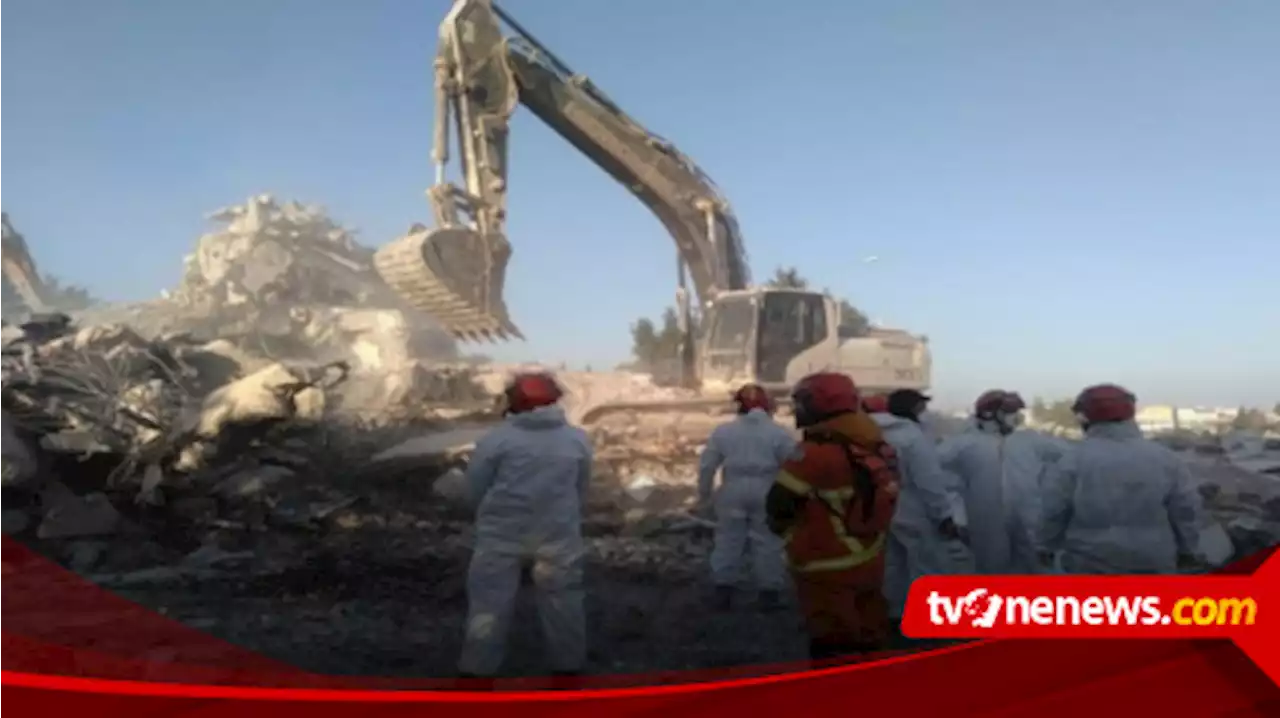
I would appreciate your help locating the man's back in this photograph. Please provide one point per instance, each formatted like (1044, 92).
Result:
(752, 445)
(530, 474)
(1122, 503)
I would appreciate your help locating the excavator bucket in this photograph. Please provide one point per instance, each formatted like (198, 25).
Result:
(454, 274)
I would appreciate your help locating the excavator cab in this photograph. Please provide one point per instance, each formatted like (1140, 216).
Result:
(766, 336)
(775, 336)
(792, 324)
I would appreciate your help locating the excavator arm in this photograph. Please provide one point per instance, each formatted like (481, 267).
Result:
(456, 270)
(20, 269)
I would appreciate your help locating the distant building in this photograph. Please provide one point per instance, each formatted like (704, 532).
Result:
(1158, 418)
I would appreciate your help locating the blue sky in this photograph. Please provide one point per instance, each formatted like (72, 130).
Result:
(1059, 192)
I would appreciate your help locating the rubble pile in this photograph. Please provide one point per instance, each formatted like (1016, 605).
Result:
(235, 496)
(165, 415)
(284, 282)
(1239, 479)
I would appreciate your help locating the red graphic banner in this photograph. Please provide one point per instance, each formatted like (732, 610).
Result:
(72, 647)
(1244, 609)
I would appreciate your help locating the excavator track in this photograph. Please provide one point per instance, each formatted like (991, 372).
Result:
(455, 275)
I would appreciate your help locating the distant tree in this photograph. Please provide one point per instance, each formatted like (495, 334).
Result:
(788, 278)
(853, 323)
(1252, 420)
(67, 297)
(1058, 413)
(653, 346)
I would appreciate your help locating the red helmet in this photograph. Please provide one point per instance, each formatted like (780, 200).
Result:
(989, 402)
(752, 396)
(997, 401)
(823, 395)
(1106, 402)
(876, 404)
(527, 392)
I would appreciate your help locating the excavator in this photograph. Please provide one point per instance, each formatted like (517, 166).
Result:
(455, 271)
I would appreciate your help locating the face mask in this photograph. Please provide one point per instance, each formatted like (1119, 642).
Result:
(1015, 420)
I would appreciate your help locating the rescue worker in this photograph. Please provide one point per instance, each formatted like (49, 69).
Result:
(832, 503)
(527, 479)
(751, 450)
(928, 535)
(1000, 483)
(1118, 503)
(1047, 448)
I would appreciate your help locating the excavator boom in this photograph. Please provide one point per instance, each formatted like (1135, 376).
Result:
(20, 270)
(456, 270)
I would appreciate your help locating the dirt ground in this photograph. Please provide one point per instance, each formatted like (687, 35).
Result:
(380, 590)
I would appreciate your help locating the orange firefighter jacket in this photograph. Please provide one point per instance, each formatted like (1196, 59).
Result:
(833, 514)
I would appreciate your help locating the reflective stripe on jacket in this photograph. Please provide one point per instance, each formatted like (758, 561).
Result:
(822, 535)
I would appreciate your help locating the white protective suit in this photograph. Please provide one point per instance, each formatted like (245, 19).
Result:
(528, 478)
(1118, 503)
(751, 449)
(1000, 477)
(928, 497)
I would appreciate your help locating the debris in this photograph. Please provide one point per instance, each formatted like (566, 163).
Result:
(15, 521)
(251, 481)
(454, 441)
(75, 516)
(452, 487)
(84, 555)
(20, 466)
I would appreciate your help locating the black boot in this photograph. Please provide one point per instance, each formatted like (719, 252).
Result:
(723, 598)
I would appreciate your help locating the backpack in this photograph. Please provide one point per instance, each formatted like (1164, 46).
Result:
(867, 464)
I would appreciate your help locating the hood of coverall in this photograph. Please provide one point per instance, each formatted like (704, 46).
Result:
(857, 427)
(542, 418)
(891, 421)
(1114, 430)
(755, 416)
(990, 426)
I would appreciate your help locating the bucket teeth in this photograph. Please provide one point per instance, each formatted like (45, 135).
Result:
(454, 274)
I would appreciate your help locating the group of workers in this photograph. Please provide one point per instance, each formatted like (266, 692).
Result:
(865, 502)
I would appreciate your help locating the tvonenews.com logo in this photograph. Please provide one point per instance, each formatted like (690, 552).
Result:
(980, 608)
